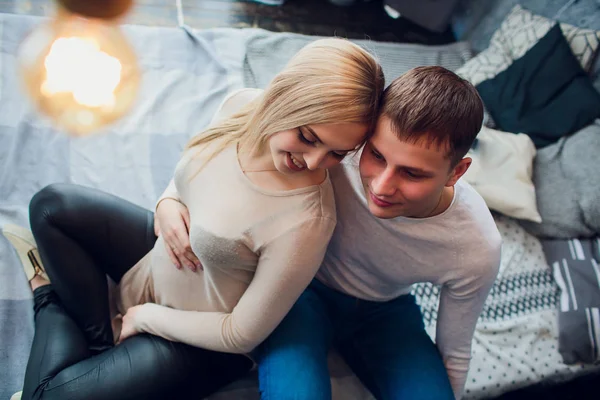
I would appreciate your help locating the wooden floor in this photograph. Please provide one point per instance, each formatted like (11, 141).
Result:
(312, 17)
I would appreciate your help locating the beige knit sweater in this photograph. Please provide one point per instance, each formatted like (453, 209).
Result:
(259, 248)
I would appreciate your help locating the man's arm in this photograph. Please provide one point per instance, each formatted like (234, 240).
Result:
(461, 303)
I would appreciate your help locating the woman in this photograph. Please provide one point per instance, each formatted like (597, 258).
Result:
(261, 213)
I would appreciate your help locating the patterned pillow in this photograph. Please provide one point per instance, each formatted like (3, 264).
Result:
(519, 32)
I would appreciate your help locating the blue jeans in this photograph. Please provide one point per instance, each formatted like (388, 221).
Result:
(384, 343)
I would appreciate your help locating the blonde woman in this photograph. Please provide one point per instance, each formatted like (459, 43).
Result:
(261, 213)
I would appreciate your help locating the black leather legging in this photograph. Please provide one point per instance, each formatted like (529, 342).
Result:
(83, 235)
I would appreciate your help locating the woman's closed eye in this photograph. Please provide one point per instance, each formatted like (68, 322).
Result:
(309, 139)
(305, 139)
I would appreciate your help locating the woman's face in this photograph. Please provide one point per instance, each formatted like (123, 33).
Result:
(312, 147)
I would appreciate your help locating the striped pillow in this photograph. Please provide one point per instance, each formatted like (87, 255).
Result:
(576, 268)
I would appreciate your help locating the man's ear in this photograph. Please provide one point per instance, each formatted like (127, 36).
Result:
(459, 170)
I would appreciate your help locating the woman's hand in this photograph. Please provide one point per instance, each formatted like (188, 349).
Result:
(128, 328)
(172, 221)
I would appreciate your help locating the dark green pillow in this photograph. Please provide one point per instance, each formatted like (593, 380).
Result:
(545, 94)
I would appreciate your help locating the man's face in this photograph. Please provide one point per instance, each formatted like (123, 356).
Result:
(404, 179)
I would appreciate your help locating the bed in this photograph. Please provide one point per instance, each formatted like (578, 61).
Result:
(186, 75)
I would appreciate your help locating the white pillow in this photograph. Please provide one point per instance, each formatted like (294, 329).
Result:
(501, 173)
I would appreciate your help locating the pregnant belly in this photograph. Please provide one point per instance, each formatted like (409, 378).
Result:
(209, 289)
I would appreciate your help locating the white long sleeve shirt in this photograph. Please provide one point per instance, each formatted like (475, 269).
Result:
(379, 259)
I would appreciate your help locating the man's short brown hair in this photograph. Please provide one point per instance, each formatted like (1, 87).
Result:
(434, 104)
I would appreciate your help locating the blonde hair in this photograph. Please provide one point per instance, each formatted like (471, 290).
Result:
(328, 81)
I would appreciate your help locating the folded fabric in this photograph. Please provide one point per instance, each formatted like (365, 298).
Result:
(517, 34)
(576, 270)
(476, 21)
(545, 93)
(501, 173)
(567, 183)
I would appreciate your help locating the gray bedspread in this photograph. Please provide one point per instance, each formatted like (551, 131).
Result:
(186, 75)
(267, 54)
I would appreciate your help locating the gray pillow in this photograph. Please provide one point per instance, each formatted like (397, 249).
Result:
(567, 183)
(576, 270)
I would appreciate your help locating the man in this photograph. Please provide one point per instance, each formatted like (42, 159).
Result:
(403, 217)
(428, 227)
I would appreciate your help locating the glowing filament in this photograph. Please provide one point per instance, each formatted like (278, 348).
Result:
(78, 66)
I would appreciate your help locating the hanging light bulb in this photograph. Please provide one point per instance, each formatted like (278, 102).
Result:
(78, 67)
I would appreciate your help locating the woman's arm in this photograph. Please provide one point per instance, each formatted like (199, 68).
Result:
(172, 219)
(286, 267)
